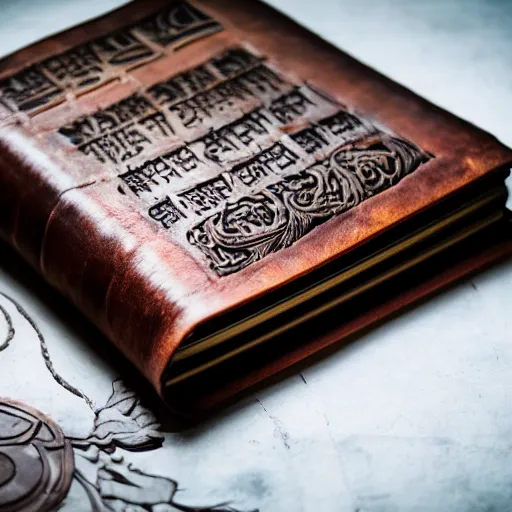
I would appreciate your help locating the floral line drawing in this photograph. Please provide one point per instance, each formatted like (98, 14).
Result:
(110, 483)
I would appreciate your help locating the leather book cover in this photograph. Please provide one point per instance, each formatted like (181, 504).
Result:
(171, 161)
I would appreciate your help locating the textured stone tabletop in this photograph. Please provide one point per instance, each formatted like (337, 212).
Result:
(414, 415)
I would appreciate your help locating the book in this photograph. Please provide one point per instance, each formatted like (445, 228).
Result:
(224, 194)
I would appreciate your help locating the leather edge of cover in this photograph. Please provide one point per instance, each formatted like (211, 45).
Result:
(194, 407)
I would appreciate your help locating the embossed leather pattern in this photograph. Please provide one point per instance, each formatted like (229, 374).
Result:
(163, 170)
(275, 218)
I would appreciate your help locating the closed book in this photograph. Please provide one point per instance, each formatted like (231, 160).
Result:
(224, 194)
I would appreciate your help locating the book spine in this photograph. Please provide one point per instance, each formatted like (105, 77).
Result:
(29, 190)
(67, 231)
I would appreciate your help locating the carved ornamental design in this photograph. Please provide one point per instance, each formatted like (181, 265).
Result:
(275, 218)
(255, 159)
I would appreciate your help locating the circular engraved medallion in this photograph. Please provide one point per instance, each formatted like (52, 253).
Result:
(36, 460)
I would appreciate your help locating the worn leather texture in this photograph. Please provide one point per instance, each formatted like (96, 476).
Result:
(112, 187)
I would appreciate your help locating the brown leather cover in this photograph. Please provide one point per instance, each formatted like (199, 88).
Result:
(170, 161)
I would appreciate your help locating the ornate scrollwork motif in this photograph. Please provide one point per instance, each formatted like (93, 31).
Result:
(257, 225)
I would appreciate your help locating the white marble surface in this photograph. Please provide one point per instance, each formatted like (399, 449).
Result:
(415, 415)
